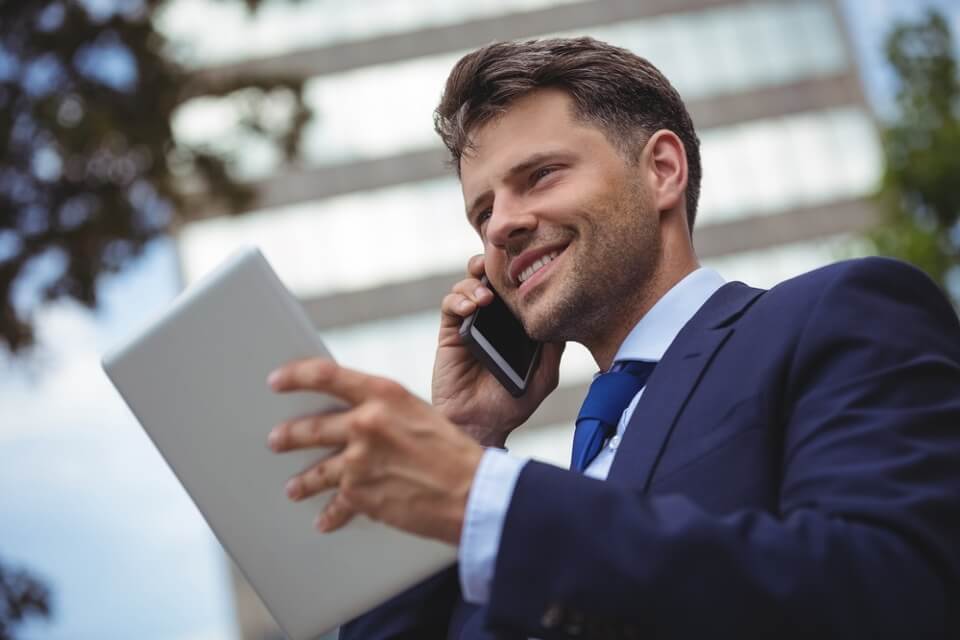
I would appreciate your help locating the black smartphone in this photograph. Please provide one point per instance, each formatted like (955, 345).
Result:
(496, 338)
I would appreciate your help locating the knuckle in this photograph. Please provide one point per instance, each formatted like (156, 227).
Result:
(314, 429)
(389, 389)
(376, 507)
(321, 371)
(380, 412)
(450, 301)
(317, 476)
(353, 457)
(364, 422)
(466, 286)
(346, 497)
(375, 415)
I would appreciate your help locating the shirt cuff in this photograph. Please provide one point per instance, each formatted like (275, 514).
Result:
(483, 523)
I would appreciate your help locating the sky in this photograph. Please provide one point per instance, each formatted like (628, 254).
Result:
(86, 502)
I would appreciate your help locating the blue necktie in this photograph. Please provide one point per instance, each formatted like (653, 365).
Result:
(608, 397)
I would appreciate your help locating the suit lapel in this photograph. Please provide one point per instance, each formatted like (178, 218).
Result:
(672, 382)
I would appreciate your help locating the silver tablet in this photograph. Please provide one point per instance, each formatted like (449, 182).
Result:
(196, 381)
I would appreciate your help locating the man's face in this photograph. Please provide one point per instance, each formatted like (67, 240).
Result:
(569, 232)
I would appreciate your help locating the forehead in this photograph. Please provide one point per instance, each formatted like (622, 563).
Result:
(533, 123)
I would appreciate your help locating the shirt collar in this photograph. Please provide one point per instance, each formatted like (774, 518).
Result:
(651, 337)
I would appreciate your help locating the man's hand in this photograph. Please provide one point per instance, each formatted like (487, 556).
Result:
(463, 389)
(401, 462)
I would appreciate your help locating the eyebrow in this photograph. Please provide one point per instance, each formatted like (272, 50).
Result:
(521, 167)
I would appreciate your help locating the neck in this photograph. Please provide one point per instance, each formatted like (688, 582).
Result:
(674, 267)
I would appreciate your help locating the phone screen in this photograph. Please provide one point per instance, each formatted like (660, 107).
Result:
(505, 333)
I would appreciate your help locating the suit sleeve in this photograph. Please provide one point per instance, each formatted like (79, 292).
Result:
(866, 543)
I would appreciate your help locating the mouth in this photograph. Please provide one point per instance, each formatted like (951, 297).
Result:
(531, 267)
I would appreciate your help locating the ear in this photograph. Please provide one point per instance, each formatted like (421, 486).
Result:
(666, 165)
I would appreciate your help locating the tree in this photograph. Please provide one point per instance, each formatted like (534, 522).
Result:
(919, 195)
(89, 168)
(20, 597)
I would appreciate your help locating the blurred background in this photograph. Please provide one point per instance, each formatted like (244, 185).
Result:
(143, 141)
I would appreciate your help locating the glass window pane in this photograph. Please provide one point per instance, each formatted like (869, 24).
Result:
(818, 36)
(418, 229)
(772, 165)
(765, 268)
(281, 27)
(387, 109)
(349, 242)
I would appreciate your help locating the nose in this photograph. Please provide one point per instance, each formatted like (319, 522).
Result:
(509, 221)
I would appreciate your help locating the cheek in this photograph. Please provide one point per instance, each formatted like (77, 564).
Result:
(495, 263)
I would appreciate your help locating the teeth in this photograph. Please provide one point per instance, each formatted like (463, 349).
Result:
(536, 266)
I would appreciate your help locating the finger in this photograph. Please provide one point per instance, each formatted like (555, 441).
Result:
(467, 295)
(475, 266)
(325, 376)
(321, 477)
(474, 290)
(337, 513)
(322, 430)
(457, 306)
(468, 287)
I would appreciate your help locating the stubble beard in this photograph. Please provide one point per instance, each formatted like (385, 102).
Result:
(607, 274)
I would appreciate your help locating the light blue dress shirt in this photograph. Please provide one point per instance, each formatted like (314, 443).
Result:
(498, 471)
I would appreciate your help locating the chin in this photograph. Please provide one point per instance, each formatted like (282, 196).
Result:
(538, 333)
(565, 314)
(533, 322)
(545, 324)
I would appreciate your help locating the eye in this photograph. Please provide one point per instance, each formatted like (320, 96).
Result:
(483, 216)
(540, 174)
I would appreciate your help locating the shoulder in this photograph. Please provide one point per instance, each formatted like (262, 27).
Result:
(870, 280)
(877, 301)
(873, 269)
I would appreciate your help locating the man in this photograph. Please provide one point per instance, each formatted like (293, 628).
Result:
(786, 463)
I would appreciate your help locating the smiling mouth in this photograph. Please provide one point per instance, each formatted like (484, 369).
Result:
(538, 264)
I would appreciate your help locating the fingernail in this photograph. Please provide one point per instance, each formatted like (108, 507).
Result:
(320, 523)
(273, 377)
(480, 292)
(465, 305)
(273, 440)
(293, 488)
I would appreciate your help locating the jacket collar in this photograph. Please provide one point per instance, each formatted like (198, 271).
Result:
(674, 379)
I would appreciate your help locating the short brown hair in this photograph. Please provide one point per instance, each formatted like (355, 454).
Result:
(621, 93)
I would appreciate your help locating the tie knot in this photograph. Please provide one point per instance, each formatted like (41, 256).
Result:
(611, 392)
(638, 368)
(609, 395)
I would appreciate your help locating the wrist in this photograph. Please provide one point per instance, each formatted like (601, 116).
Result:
(485, 436)
(480, 431)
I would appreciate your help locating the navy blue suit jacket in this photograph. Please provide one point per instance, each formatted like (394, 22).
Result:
(792, 470)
